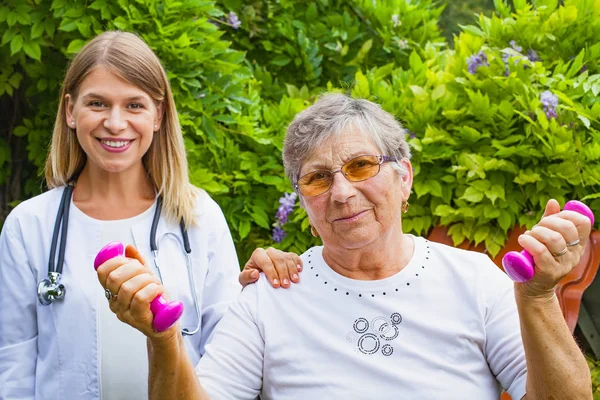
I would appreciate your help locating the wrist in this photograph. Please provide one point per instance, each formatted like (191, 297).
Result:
(524, 295)
(167, 340)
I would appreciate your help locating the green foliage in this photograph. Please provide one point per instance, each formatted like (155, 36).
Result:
(486, 156)
(312, 43)
(595, 371)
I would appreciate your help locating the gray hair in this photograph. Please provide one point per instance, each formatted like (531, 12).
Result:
(330, 115)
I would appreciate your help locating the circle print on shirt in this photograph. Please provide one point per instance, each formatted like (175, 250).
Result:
(370, 334)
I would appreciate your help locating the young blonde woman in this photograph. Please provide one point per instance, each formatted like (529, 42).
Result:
(116, 171)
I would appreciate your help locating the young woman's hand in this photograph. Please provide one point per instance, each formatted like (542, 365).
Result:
(279, 267)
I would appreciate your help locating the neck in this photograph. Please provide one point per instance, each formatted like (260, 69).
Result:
(378, 260)
(107, 196)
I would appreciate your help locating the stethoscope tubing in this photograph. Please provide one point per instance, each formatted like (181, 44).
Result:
(50, 289)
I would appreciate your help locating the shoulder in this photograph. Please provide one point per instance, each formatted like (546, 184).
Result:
(35, 211)
(469, 271)
(205, 206)
(468, 260)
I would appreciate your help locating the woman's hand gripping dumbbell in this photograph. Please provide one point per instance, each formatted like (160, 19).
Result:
(520, 267)
(165, 313)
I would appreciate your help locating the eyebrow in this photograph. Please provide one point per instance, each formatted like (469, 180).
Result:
(99, 96)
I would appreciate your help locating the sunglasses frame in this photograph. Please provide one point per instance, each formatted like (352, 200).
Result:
(381, 159)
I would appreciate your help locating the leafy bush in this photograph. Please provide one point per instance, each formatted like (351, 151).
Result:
(312, 43)
(233, 135)
(487, 151)
(500, 124)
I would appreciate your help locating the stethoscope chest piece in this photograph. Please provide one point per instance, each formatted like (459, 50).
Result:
(50, 289)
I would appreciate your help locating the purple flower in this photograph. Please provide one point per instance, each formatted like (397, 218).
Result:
(396, 20)
(233, 20)
(549, 102)
(532, 55)
(286, 206)
(476, 61)
(278, 234)
(515, 47)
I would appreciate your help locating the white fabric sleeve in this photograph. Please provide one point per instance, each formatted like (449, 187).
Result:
(221, 286)
(504, 346)
(233, 364)
(18, 324)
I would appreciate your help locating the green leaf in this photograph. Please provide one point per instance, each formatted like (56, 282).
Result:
(504, 220)
(281, 60)
(20, 131)
(75, 46)
(244, 228)
(473, 195)
(585, 121)
(32, 49)
(481, 233)
(438, 92)
(472, 30)
(16, 44)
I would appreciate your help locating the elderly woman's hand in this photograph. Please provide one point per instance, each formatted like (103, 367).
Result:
(135, 286)
(546, 242)
(279, 267)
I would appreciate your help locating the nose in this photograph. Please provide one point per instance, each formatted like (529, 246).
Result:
(115, 122)
(341, 188)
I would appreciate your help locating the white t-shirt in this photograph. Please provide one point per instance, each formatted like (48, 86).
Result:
(444, 327)
(121, 377)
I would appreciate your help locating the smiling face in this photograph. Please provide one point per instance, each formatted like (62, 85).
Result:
(114, 120)
(352, 215)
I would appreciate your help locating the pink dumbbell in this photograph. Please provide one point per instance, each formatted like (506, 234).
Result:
(519, 266)
(165, 313)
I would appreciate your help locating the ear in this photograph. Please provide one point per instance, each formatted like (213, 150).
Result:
(160, 113)
(407, 178)
(69, 105)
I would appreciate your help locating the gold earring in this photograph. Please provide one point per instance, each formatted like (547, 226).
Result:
(405, 206)
(313, 231)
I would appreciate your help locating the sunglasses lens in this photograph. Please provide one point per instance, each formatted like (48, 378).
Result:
(361, 168)
(315, 183)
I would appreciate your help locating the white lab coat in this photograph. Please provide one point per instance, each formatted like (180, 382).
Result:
(51, 352)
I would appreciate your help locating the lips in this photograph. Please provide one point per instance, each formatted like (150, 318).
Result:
(350, 217)
(115, 146)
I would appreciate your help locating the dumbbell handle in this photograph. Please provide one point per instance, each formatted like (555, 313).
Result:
(519, 266)
(166, 313)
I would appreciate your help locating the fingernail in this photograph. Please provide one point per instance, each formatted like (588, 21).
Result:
(275, 281)
(285, 282)
(299, 267)
(295, 277)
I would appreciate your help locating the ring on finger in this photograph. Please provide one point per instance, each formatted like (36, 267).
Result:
(109, 295)
(573, 243)
(561, 253)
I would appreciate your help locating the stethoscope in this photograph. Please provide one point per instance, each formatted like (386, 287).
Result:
(50, 289)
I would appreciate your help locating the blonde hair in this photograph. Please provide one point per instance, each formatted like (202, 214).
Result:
(130, 58)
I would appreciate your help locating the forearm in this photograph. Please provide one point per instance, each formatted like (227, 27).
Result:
(556, 367)
(171, 374)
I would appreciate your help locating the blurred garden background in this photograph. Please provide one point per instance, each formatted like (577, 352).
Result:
(499, 99)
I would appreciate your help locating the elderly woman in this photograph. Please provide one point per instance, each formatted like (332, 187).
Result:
(380, 313)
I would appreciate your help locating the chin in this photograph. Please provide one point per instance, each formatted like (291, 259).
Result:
(357, 240)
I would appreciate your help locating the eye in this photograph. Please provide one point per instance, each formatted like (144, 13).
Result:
(95, 104)
(136, 106)
(315, 177)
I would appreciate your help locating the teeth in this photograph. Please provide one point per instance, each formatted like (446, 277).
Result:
(115, 144)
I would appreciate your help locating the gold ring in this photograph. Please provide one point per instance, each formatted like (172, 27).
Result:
(573, 243)
(561, 253)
